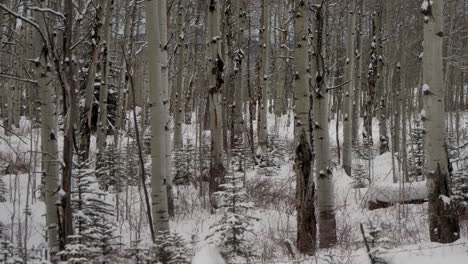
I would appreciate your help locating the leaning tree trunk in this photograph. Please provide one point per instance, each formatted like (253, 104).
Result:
(85, 129)
(158, 122)
(443, 223)
(348, 94)
(324, 176)
(305, 187)
(216, 81)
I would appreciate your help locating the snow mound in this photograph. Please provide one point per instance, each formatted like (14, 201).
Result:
(208, 255)
(429, 253)
(390, 192)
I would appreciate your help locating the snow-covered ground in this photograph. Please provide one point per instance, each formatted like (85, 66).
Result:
(403, 228)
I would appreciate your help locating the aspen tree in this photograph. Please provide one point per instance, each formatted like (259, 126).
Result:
(157, 112)
(49, 148)
(105, 78)
(262, 125)
(380, 82)
(349, 90)
(85, 129)
(358, 76)
(240, 69)
(303, 161)
(215, 79)
(443, 223)
(164, 84)
(179, 82)
(323, 170)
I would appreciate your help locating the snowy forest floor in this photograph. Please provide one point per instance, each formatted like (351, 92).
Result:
(403, 235)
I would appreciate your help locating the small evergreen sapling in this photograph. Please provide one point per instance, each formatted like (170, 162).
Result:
(93, 220)
(230, 233)
(170, 248)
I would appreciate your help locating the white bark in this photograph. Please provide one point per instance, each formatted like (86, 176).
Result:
(179, 82)
(324, 176)
(348, 92)
(49, 148)
(157, 98)
(164, 84)
(443, 224)
(306, 230)
(264, 86)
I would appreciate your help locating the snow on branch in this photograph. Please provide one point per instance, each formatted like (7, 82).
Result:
(32, 23)
(48, 10)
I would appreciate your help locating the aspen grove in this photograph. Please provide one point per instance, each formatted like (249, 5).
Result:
(233, 131)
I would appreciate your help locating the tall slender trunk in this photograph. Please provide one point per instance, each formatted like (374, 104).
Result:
(304, 157)
(215, 78)
(240, 70)
(179, 82)
(262, 124)
(348, 94)
(85, 129)
(443, 223)
(164, 83)
(371, 83)
(324, 176)
(105, 79)
(49, 148)
(158, 102)
(358, 77)
(380, 83)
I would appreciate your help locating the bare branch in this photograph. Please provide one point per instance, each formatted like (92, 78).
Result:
(8, 76)
(32, 23)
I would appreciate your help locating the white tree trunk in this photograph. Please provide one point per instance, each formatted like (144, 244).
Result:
(324, 176)
(303, 162)
(443, 223)
(158, 102)
(49, 148)
(164, 83)
(262, 126)
(349, 91)
(179, 82)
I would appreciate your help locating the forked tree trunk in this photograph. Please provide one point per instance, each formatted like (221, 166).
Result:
(303, 161)
(443, 223)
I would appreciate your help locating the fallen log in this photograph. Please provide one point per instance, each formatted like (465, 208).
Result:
(383, 195)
